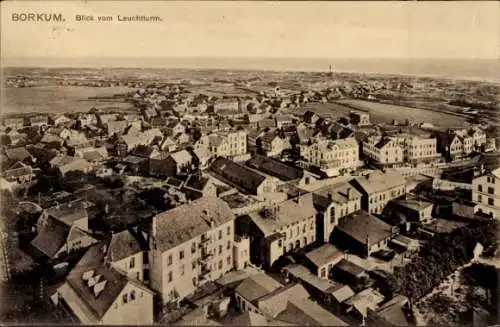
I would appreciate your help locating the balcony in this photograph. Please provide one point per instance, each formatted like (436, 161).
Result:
(206, 255)
(204, 273)
(205, 240)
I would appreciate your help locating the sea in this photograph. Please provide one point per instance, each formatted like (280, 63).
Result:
(467, 69)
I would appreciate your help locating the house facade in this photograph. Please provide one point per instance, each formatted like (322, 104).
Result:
(486, 193)
(327, 154)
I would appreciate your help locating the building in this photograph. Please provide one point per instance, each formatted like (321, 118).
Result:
(273, 144)
(226, 104)
(62, 230)
(383, 150)
(65, 164)
(275, 168)
(359, 305)
(486, 192)
(359, 118)
(412, 209)
(417, 148)
(224, 143)
(395, 312)
(13, 123)
(363, 233)
(18, 176)
(321, 260)
(378, 188)
(191, 245)
(332, 203)
(328, 155)
(241, 177)
(325, 291)
(171, 164)
(279, 229)
(310, 117)
(281, 305)
(199, 186)
(127, 251)
(116, 127)
(95, 292)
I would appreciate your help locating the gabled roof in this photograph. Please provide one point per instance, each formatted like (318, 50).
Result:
(288, 212)
(380, 181)
(238, 174)
(364, 227)
(275, 168)
(339, 193)
(181, 224)
(181, 157)
(122, 245)
(257, 286)
(368, 298)
(306, 312)
(68, 212)
(395, 313)
(349, 267)
(51, 237)
(324, 255)
(17, 154)
(276, 302)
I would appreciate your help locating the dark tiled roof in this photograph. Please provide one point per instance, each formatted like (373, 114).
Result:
(68, 212)
(123, 245)
(383, 142)
(257, 286)
(51, 237)
(178, 225)
(17, 154)
(363, 227)
(247, 179)
(349, 267)
(275, 168)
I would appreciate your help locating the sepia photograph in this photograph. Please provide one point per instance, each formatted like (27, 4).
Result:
(250, 163)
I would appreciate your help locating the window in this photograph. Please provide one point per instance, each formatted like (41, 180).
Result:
(312, 226)
(229, 260)
(132, 262)
(138, 275)
(194, 281)
(280, 243)
(304, 228)
(220, 249)
(480, 188)
(193, 247)
(125, 298)
(169, 260)
(491, 190)
(491, 202)
(323, 272)
(220, 234)
(132, 295)
(193, 265)
(170, 276)
(228, 245)
(228, 230)
(220, 264)
(181, 254)
(479, 198)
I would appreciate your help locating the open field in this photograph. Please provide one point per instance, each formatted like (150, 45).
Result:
(60, 99)
(386, 112)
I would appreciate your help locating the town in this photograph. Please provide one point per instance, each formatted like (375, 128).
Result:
(276, 206)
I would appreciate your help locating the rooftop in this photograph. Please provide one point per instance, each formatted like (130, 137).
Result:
(275, 168)
(379, 181)
(257, 286)
(340, 193)
(185, 222)
(324, 255)
(365, 228)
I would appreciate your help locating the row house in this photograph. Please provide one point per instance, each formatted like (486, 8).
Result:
(383, 150)
(226, 104)
(460, 143)
(191, 245)
(331, 155)
(279, 229)
(378, 188)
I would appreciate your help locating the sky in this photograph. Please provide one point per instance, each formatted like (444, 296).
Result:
(409, 30)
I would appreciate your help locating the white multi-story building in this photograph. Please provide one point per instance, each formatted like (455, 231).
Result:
(224, 143)
(416, 148)
(191, 245)
(383, 150)
(328, 154)
(486, 193)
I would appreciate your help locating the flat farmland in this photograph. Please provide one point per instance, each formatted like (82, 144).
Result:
(385, 113)
(46, 99)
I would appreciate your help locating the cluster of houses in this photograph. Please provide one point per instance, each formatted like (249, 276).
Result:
(261, 227)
